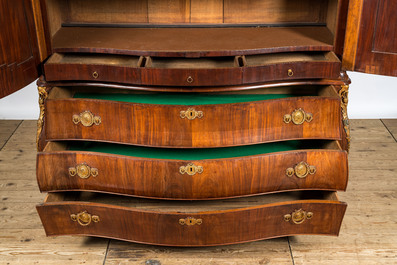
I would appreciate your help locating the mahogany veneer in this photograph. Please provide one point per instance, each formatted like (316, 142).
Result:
(221, 124)
(152, 222)
(161, 178)
(192, 42)
(192, 71)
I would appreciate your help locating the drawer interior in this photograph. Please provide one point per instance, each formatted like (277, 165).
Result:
(192, 154)
(193, 63)
(189, 206)
(190, 63)
(192, 98)
(276, 58)
(93, 59)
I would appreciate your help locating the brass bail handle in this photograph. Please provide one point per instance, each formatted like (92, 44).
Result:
(301, 170)
(298, 216)
(84, 218)
(83, 171)
(86, 118)
(298, 116)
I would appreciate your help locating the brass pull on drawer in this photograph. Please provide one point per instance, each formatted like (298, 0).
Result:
(84, 218)
(301, 170)
(191, 114)
(191, 169)
(190, 221)
(86, 118)
(95, 75)
(83, 171)
(298, 216)
(298, 116)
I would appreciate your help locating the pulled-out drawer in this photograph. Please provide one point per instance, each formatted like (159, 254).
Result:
(192, 174)
(203, 71)
(188, 120)
(176, 223)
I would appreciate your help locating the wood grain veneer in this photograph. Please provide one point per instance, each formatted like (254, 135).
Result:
(166, 71)
(192, 42)
(160, 178)
(221, 125)
(222, 223)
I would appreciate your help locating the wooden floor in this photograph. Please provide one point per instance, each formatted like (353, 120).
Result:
(368, 234)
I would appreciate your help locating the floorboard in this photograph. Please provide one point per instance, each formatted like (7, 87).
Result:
(368, 234)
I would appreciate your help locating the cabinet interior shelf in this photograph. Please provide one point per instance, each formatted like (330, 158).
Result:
(192, 42)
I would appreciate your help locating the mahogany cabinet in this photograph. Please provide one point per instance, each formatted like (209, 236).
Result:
(193, 122)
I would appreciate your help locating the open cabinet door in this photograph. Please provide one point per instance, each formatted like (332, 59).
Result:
(371, 37)
(19, 56)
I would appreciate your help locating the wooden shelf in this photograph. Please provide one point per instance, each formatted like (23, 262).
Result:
(192, 42)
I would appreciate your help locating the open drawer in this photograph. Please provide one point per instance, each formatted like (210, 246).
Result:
(181, 71)
(192, 174)
(175, 223)
(188, 120)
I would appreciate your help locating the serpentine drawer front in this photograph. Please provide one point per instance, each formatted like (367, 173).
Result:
(192, 174)
(205, 120)
(204, 71)
(174, 223)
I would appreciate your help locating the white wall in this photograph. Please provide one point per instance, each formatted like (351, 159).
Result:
(370, 97)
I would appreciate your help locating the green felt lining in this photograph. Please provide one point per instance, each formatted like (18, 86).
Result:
(182, 98)
(194, 154)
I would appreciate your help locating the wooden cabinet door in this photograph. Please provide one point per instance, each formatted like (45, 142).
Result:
(19, 54)
(371, 37)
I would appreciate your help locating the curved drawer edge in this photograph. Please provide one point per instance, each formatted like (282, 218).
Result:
(163, 228)
(218, 178)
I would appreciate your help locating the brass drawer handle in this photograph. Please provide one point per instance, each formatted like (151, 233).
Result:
(189, 79)
(95, 75)
(191, 169)
(83, 171)
(84, 218)
(298, 216)
(290, 72)
(86, 118)
(301, 170)
(190, 221)
(191, 114)
(298, 117)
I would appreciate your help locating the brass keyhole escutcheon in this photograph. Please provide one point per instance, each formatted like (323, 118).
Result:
(298, 216)
(301, 170)
(95, 75)
(84, 218)
(190, 221)
(191, 114)
(298, 116)
(83, 171)
(290, 72)
(86, 118)
(189, 79)
(191, 169)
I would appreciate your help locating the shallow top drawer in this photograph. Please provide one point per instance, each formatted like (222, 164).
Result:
(189, 120)
(180, 71)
